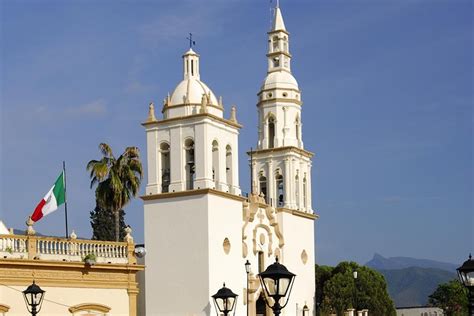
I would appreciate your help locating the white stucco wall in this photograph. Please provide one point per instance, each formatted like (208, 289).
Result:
(185, 261)
(299, 237)
(57, 300)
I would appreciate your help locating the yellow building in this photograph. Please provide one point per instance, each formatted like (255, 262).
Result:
(106, 284)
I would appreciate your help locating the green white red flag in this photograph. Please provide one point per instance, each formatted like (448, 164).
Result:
(51, 201)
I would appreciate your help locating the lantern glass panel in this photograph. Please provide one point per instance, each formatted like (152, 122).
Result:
(284, 284)
(37, 298)
(220, 304)
(230, 303)
(270, 285)
(469, 279)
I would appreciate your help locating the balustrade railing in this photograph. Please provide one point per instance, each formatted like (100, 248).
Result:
(70, 249)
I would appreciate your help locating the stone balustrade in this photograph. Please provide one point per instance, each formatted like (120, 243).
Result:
(66, 249)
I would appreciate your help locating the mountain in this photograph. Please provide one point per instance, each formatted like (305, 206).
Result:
(379, 262)
(410, 281)
(412, 286)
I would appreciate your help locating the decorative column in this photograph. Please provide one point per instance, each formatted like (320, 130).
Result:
(287, 189)
(270, 184)
(308, 187)
(300, 183)
(265, 134)
(285, 125)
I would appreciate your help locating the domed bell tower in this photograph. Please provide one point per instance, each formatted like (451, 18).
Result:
(281, 165)
(191, 197)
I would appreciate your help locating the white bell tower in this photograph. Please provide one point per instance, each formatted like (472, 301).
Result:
(281, 166)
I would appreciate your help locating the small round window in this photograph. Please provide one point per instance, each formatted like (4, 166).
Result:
(270, 95)
(285, 94)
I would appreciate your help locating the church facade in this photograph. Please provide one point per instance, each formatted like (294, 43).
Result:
(199, 229)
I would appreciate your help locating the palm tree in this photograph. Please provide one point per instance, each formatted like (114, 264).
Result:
(117, 180)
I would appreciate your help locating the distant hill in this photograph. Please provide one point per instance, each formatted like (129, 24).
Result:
(379, 262)
(410, 281)
(412, 286)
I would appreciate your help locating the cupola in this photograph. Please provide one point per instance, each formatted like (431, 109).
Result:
(191, 95)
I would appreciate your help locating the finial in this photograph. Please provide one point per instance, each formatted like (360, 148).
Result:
(204, 101)
(470, 257)
(73, 235)
(220, 102)
(278, 3)
(29, 222)
(128, 237)
(233, 114)
(151, 113)
(191, 42)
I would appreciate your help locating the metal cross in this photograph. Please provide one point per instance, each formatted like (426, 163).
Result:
(191, 42)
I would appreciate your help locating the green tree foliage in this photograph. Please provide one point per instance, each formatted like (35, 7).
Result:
(103, 224)
(451, 297)
(337, 290)
(117, 179)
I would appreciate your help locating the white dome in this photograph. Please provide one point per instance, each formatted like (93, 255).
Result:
(190, 90)
(280, 79)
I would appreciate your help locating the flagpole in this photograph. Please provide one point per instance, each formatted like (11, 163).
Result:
(65, 197)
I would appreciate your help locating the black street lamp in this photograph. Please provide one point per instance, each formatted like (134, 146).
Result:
(466, 276)
(33, 298)
(277, 282)
(247, 270)
(224, 301)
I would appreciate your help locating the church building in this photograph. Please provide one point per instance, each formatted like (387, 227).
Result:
(199, 229)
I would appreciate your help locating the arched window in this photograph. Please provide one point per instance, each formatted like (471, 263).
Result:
(215, 162)
(285, 44)
(297, 190)
(165, 167)
(304, 192)
(271, 132)
(190, 163)
(228, 165)
(280, 190)
(88, 309)
(275, 43)
(263, 187)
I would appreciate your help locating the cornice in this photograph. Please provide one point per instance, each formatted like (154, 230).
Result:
(283, 100)
(167, 107)
(69, 274)
(191, 117)
(297, 213)
(273, 89)
(169, 195)
(278, 31)
(279, 53)
(69, 264)
(283, 149)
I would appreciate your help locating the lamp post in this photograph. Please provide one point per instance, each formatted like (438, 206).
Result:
(277, 282)
(33, 296)
(247, 270)
(354, 274)
(466, 276)
(224, 301)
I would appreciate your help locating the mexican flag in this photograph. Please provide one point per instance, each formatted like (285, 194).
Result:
(51, 201)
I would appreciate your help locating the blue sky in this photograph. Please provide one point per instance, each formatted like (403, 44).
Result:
(386, 85)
